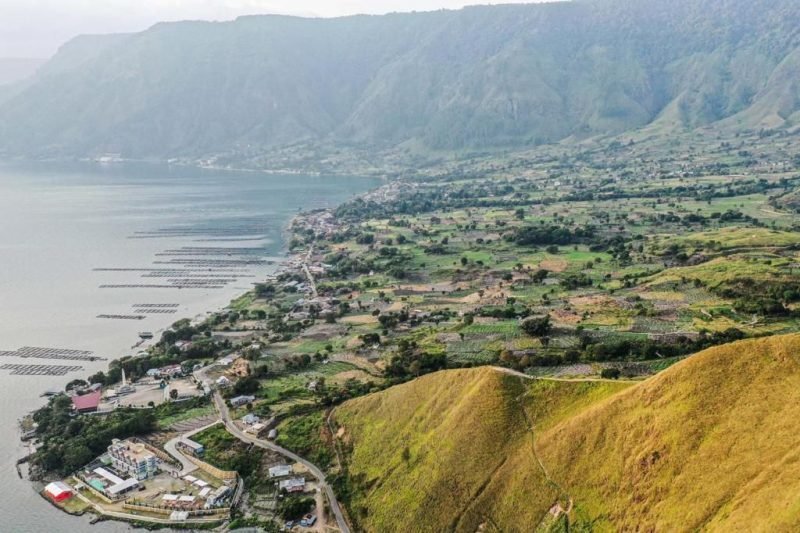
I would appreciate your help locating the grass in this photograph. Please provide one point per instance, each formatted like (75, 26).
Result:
(728, 238)
(303, 435)
(706, 444)
(434, 442)
(195, 412)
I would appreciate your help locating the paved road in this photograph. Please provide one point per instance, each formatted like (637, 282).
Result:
(219, 402)
(143, 518)
(222, 409)
(171, 447)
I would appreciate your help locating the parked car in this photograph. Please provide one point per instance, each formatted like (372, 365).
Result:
(308, 520)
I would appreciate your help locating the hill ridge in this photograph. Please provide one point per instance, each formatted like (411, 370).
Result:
(698, 446)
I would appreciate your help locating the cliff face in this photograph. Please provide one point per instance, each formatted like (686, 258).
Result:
(482, 77)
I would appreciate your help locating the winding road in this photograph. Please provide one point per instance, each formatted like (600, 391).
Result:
(225, 416)
(219, 402)
(171, 447)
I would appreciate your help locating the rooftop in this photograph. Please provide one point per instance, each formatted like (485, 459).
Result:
(122, 487)
(133, 450)
(87, 401)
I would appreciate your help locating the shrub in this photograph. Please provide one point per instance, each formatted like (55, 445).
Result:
(610, 373)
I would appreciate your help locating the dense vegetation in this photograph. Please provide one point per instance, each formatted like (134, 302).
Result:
(68, 443)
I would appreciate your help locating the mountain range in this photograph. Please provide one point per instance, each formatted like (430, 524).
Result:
(481, 78)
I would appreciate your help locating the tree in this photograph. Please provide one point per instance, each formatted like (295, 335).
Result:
(76, 384)
(537, 326)
(76, 454)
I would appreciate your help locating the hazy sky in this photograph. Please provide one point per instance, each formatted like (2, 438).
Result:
(35, 28)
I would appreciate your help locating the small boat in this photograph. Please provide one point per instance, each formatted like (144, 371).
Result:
(145, 335)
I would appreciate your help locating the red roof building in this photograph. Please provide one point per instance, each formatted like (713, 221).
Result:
(58, 491)
(87, 403)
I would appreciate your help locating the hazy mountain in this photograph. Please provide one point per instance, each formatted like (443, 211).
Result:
(482, 77)
(13, 69)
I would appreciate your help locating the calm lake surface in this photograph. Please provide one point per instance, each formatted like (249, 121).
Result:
(66, 231)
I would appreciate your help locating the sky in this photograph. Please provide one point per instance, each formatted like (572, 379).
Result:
(36, 28)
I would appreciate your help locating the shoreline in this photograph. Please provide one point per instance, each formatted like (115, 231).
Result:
(376, 174)
(289, 262)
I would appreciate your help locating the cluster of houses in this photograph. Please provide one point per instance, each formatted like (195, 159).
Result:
(208, 496)
(166, 372)
(287, 481)
(322, 222)
(305, 308)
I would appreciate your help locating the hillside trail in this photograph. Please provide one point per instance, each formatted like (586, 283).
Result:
(557, 509)
(566, 380)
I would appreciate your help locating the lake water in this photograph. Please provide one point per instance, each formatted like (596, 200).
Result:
(67, 231)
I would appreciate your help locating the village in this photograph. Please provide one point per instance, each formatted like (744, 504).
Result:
(136, 480)
(168, 481)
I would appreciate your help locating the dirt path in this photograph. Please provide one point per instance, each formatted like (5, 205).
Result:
(310, 277)
(563, 494)
(567, 380)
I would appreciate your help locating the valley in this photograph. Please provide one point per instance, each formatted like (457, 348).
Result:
(562, 338)
(570, 302)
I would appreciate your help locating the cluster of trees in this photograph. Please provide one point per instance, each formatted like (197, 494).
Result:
(294, 508)
(700, 191)
(410, 361)
(623, 349)
(766, 298)
(69, 442)
(537, 326)
(539, 235)
(246, 385)
(508, 311)
(352, 388)
(616, 349)
(417, 201)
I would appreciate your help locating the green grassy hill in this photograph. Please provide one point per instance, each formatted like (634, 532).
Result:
(708, 444)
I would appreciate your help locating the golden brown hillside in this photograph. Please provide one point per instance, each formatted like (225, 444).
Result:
(709, 444)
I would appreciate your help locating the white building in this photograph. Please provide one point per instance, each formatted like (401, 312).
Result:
(280, 471)
(133, 459)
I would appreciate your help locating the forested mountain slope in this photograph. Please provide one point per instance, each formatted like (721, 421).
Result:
(707, 444)
(479, 78)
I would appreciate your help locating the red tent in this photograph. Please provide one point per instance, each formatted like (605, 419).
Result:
(58, 491)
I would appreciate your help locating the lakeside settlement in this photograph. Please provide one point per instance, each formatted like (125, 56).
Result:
(525, 266)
